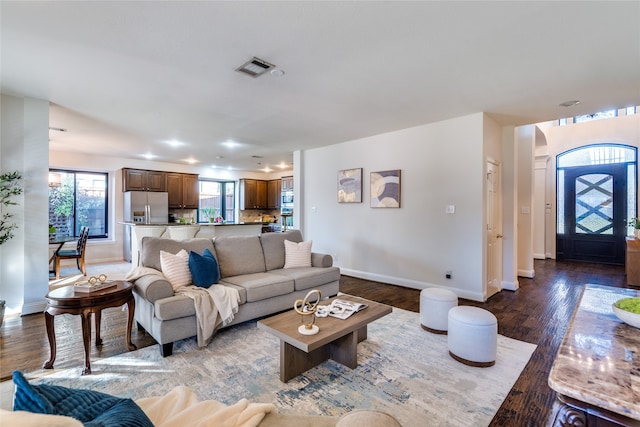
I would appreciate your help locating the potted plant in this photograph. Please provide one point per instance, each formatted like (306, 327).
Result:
(209, 213)
(9, 188)
(635, 223)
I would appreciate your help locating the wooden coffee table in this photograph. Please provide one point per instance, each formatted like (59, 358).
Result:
(337, 340)
(67, 301)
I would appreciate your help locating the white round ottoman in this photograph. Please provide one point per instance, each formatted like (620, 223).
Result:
(473, 336)
(435, 304)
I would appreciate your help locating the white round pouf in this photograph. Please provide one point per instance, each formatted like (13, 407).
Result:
(473, 336)
(435, 304)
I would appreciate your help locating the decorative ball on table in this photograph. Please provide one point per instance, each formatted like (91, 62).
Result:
(307, 308)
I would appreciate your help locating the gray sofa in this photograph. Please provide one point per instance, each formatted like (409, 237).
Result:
(251, 264)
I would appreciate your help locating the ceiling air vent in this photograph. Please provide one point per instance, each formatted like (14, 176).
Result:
(255, 67)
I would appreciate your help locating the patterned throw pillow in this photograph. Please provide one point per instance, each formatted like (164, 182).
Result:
(92, 408)
(176, 268)
(297, 255)
(204, 268)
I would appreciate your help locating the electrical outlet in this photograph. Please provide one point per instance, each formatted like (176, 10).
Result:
(448, 274)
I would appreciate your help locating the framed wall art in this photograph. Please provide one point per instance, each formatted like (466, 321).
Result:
(350, 186)
(385, 189)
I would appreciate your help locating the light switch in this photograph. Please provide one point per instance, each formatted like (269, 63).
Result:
(525, 210)
(450, 209)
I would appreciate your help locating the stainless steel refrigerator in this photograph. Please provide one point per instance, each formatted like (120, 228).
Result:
(143, 207)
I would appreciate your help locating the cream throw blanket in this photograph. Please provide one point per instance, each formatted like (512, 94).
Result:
(178, 408)
(181, 408)
(215, 306)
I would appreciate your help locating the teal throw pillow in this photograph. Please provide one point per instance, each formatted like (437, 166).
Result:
(92, 408)
(204, 268)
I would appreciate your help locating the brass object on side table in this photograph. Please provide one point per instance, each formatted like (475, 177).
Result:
(307, 311)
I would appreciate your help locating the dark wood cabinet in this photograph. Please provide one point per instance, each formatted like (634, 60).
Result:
(143, 180)
(183, 190)
(253, 194)
(274, 194)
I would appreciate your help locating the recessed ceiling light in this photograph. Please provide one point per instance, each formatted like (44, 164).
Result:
(149, 156)
(219, 157)
(569, 103)
(175, 143)
(57, 129)
(191, 161)
(256, 157)
(277, 72)
(255, 67)
(230, 144)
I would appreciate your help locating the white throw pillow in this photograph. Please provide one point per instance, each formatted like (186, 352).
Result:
(297, 255)
(176, 268)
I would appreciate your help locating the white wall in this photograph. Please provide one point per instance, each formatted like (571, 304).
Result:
(442, 164)
(525, 201)
(23, 259)
(509, 209)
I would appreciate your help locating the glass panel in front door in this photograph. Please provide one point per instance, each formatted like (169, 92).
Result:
(594, 204)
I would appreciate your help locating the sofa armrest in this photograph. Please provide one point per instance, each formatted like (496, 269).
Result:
(153, 287)
(321, 260)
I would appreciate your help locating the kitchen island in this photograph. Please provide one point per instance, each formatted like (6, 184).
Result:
(596, 373)
(179, 231)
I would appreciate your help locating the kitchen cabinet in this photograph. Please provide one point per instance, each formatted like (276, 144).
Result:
(274, 194)
(143, 180)
(287, 183)
(253, 194)
(183, 190)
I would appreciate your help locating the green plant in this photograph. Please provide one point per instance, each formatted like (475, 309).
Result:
(208, 212)
(635, 223)
(9, 188)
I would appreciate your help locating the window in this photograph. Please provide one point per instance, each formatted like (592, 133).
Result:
(596, 116)
(212, 205)
(78, 199)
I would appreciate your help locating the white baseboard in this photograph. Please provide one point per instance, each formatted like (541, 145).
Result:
(539, 256)
(413, 284)
(527, 273)
(510, 286)
(33, 307)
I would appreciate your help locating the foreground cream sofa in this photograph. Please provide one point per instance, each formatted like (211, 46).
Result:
(254, 265)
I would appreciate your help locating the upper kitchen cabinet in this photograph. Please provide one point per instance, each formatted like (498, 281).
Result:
(287, 183)
(183, 190)
(143, 180)
(273, 194)
(253, 194)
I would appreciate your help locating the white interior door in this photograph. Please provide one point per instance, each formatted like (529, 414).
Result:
(494, 230)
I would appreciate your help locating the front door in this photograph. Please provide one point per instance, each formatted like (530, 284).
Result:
(595, 227)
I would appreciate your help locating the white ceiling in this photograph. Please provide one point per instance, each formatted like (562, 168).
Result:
(126, 77)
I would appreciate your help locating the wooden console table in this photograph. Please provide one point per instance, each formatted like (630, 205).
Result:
(632, 263)
(66, 301)
(596, 374)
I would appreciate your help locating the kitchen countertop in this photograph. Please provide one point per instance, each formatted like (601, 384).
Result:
(598, 363)
(177, 224)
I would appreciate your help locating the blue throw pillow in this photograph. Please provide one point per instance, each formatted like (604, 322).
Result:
(204, 268)
(92, 408)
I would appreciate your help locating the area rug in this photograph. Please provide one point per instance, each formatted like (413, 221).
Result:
(402, 370)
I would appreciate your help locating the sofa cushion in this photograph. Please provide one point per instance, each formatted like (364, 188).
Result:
(174, 307)
(261, 286)
(310, 277)
(204, 268)
(239, 255)
(273, 247)
(176, 268)
(297, 255)
(90, 407)
(151, 246)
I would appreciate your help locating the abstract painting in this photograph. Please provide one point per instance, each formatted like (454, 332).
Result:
(350, 186)
(385, 189)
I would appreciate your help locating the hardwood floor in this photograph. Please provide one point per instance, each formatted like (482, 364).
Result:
(537, 313)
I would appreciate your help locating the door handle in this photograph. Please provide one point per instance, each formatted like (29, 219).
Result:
(499, 236)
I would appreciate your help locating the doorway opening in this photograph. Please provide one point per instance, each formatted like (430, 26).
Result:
(597, 195)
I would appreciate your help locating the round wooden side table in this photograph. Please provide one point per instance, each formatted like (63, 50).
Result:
(66, 300)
